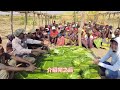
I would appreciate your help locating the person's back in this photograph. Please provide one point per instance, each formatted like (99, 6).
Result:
(61, 41)
(53, 33)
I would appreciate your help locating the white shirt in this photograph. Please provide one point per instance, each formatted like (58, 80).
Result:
(18, 49)
(115, 62)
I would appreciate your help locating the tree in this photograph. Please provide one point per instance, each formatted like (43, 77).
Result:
(74, 16)
(25, 20)
(33, 19)
(11, 21)
(81, 26)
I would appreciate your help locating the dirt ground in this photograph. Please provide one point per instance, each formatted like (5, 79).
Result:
(99, 52)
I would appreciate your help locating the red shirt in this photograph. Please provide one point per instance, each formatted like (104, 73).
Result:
(53, 33)
(95, 34)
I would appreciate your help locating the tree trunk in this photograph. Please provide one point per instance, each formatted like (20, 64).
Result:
(74, 15)
(95, 18)
(42, 19)
(48, 20)
(118, 22)
(33, 19)
(38, 19)
(25, 20)
(80, 29)
(52, 19)
(11, 22)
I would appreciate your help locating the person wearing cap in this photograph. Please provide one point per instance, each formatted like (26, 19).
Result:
(73, 26)
(61, 39)
(111, 70)
(53, 35)
(19, 45)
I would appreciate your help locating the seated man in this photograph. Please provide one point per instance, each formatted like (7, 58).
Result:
(89, 39)
(53, 35)
(117, 32)
(35, 46)
(8, 64)
(34, 37)
(10, 37)
(111, 69)
(61, 39)
(19, 45)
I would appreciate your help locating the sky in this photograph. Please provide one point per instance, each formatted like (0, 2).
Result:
(49, 12)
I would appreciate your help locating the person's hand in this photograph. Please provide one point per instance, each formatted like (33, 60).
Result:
(96, 61)
(31, 68)
(43, 51)
(38, 50)
(42, 42)
(46, 42)
(11, 53)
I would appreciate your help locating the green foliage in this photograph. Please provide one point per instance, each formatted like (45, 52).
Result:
(65, 57)
(98, 42)
(90, 74)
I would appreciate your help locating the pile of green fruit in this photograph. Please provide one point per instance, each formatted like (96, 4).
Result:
(80, 59)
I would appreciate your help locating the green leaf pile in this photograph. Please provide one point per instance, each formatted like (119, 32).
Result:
(97, 42)
(80, 59)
